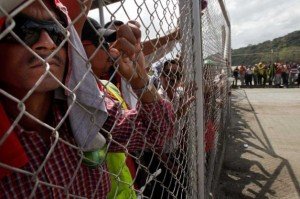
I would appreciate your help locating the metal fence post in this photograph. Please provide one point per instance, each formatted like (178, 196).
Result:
(197, 49)
(101, 12)
(228, 36)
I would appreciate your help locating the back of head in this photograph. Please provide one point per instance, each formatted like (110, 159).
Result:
(92, 31)
(113, 24)
(89, 31)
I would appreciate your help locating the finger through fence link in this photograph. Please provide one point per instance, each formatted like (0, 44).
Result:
(98, 98)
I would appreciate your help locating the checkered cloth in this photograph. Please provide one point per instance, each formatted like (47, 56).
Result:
(63, 172)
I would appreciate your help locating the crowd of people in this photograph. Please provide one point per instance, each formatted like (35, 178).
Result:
(276, 74)
(77, 106)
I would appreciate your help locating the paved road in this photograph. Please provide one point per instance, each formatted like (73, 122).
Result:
(262, 159)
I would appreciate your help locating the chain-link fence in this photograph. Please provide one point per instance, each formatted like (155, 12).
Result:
(112, 99)
(216, 70)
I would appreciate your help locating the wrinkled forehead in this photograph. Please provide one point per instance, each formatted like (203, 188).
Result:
(42, 10)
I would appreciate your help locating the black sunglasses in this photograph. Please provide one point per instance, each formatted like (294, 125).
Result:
(29, 30)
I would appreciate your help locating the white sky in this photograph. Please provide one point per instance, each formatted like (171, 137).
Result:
(252, 21)
(256, 21)
(137, 10)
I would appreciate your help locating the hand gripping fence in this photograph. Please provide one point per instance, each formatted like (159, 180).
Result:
(113, 99)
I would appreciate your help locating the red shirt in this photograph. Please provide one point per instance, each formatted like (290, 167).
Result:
(55, 169)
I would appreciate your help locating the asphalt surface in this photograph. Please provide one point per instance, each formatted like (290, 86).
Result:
(262, 157)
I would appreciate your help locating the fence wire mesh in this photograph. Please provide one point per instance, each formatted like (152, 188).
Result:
(216, 70)
(99, 101)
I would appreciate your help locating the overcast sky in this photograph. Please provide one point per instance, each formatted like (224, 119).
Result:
(252, 21)
(159, 24)
(255, 21)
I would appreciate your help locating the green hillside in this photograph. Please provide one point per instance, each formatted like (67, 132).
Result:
(285, 49)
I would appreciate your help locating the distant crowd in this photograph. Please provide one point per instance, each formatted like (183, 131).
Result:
(272, 74)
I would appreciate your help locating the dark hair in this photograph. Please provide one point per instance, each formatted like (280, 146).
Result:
(177, 74)
(92, 31)
(171, 61)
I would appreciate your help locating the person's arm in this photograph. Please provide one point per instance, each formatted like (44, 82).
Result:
(152, 122)
(130, 61)
(149, 125)
(187, 99)
(152, 45)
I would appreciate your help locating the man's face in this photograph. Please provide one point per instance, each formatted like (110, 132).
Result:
(20, 68)
(171, 76)
(100, 61)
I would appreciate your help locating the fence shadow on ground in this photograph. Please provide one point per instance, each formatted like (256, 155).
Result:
(238, 178)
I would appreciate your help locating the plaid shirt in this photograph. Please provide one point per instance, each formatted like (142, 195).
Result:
(55, 169)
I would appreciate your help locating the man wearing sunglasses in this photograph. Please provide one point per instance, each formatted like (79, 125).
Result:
(95, 41)
(52, 111)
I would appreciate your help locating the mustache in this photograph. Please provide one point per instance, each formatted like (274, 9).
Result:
(58, 59)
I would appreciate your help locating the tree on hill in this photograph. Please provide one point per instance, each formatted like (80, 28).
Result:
(286, 48)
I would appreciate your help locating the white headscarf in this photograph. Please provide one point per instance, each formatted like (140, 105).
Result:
(88, 113)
